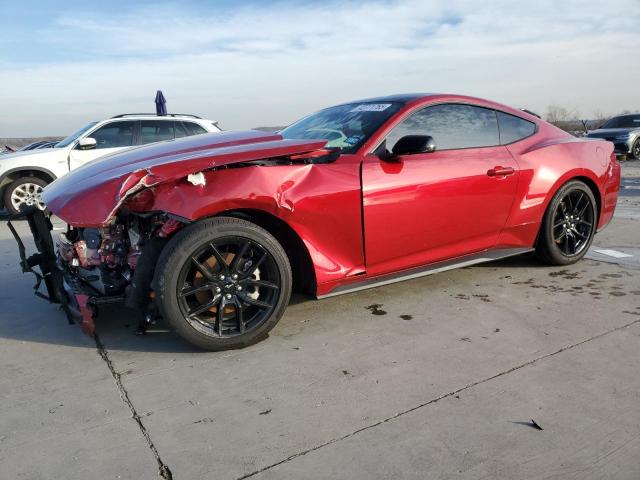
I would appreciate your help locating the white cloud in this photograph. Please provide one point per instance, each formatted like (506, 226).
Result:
(271, 64)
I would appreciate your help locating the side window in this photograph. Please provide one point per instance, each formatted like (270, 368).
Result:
(114, 134)
(193, 128)
(156, 131)
(180, 130)
(514, 128)
(452, 126)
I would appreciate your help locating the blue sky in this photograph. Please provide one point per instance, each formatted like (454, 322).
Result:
(252, 63)
(51, 31)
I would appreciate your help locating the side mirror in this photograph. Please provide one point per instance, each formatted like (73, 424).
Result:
(412, 144)
(86, 143)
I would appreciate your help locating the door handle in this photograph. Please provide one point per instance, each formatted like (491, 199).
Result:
(500, 171)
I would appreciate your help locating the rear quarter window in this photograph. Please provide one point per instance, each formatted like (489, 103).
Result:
(193, 128)
(514, 128)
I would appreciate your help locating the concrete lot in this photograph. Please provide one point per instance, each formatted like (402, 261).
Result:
(438, 377)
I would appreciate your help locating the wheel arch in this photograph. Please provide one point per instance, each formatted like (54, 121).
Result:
(596, 193)
(13, 174)
(17, 172)
(302, 266)
(584, 178)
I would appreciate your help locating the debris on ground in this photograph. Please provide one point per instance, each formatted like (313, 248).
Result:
(376, 309)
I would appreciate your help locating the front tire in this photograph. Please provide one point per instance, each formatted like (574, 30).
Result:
(24, 191)
(568, 226)
(635, 150)
(223, 283)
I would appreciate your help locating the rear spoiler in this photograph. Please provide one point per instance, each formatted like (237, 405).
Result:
(531, 113)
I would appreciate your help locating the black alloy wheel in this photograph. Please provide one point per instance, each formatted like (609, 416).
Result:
(230, 286)
(573, 222)
(223, 283)
(569, 225)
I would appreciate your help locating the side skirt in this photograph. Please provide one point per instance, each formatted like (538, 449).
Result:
(459, 262)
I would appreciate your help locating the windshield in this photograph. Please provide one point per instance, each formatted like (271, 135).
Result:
(345, 127)
(30, 146)
(626, 121)
(71, 138)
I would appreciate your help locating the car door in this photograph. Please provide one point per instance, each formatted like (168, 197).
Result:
(427, 207)
(110, 138)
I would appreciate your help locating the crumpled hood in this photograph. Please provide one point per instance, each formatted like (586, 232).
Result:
(90, 195)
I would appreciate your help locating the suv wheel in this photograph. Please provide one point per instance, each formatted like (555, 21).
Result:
(24, 191)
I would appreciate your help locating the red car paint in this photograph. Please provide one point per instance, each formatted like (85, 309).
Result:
(360, 216)
(86, 313)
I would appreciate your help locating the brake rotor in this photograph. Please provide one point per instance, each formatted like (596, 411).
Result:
(204, 297)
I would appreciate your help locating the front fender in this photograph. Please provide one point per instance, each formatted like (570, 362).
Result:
(319, 202)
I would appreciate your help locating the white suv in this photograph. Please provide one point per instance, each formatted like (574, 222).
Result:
(23, 175)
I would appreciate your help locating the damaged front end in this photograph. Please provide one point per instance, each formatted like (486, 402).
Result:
(90, 267)
(115, 233)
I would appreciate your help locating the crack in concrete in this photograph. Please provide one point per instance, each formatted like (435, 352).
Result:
(434, 400)
(163, 469)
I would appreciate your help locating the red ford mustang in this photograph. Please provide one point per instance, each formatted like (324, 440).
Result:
(213, 232)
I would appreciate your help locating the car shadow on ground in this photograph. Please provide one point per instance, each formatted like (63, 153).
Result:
(35, 320)
(527, 260)
(117, 329)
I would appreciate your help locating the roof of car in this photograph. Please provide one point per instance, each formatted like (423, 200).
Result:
(173, 115)
(406, 98)
(398, 97)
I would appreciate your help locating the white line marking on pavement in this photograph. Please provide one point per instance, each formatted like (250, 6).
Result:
(613, 253)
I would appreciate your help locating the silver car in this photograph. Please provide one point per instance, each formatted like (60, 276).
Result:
(623, 131)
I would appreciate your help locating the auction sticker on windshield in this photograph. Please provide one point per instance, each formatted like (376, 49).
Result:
(371, 107)
(353, 140)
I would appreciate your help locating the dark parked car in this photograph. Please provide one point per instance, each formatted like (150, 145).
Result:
(46, 145)
(623, 131)
(33, 146)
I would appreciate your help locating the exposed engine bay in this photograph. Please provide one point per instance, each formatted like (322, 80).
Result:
(88, 267)
(106, 258)
(114, 262)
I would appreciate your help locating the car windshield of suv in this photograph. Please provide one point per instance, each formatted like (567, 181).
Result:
(71, 138)
(345, 127)
(625, 121)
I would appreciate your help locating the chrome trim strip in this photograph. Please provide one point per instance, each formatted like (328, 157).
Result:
(459, 262)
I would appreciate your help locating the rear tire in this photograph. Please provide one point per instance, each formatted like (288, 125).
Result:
(24, 191)
(223, 283)
(568, 226)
